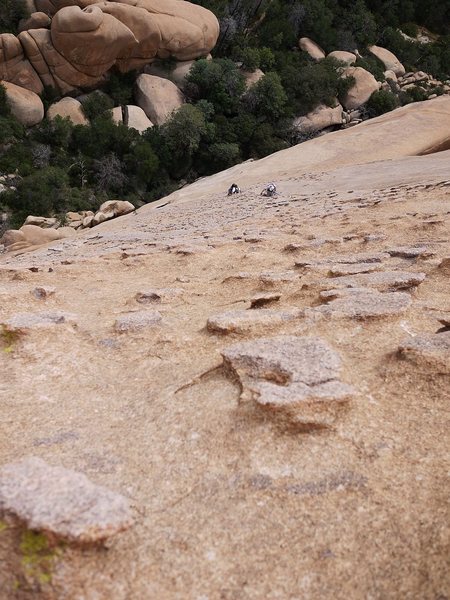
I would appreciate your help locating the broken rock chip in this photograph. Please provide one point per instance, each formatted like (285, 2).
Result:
(134, 321)
(362, 303)
(431, 350)
(274, 277)
(241, 321)
(158, 295)
(295, 379)
(61, 503)
(39, 320)
(410, 252)
(383, 281)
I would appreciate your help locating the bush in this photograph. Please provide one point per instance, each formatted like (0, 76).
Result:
(96, 104)
(11, 12)
(410, 29)
(381, 102)
(373, 65)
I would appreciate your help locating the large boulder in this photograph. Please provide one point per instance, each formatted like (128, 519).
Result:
(32, 235)
(390, 61)
(136, 118)
(342, 56)
(25, 105)
(68, 107)
(320, 118)
(15, 67)
(116, 208)
(157, 97)
(365, 85)
(313, 49)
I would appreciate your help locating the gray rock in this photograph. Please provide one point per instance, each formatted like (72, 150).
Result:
(352, 269)
(410, 252)
(39, 320)
(383, 281)
(431, 350)
(61, 503)
(43, 292)
(296, 379)
(134, 321)
(241, 321)
(158, 295)
(360, 303)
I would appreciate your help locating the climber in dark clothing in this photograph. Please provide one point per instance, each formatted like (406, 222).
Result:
(234, 189)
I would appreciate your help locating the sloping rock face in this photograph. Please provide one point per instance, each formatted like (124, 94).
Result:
(324, 434)
(26, 106)
(390, 61)
(86, 39)
(365, 85)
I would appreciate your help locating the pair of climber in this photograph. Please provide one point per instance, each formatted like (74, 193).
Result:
(269, 190)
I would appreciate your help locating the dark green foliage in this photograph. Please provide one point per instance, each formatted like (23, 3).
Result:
(96, 104)
(120, 87)
(5, 111)
(218, 81)
(11, 12)
(410, 29)
(373, 65)
(10, 130)
(267, 99)
(381, 102)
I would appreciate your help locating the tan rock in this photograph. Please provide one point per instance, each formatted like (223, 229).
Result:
(26, 106)
(136, 118)
(390, 75)
(320, 118)
(389, 59)
(176, 73)
(116, 208)
(44, 222)
(14, 65)
(88, 221)
(157, 97)
(365, 85)
(341, 55)
(313, 49)
(252, 77)
(117, 114)
(70, 108)
(37, 20)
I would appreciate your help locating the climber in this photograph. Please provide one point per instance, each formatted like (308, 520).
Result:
(234, 189)
(269, 190)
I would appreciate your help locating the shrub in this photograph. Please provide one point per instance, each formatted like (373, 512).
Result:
(96, 104)
(381, 102)
(373, 65)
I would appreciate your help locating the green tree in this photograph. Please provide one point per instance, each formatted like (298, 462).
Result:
(267, 98)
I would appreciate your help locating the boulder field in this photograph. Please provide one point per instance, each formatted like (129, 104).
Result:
(239, 396)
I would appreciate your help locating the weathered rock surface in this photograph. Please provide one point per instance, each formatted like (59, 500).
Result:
(32, 235)
(410, 251)
(365, 85)
(384, 281)
(241, 321)
(44, 222)
(134, 321)
(136, 118)
(68, 108)
(430, 350)
(360, 303)
(176, 73)
(37, 20)
(39, 320)
(389, 59)
(295, 378)
(158, 97)
(320, 118)
(116, 208)
(313, 49)
(14, 66)
(25, 105)
(61, 503)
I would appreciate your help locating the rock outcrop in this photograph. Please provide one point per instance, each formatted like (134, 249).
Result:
(320, 118)
(85, 39)
(342, 56)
